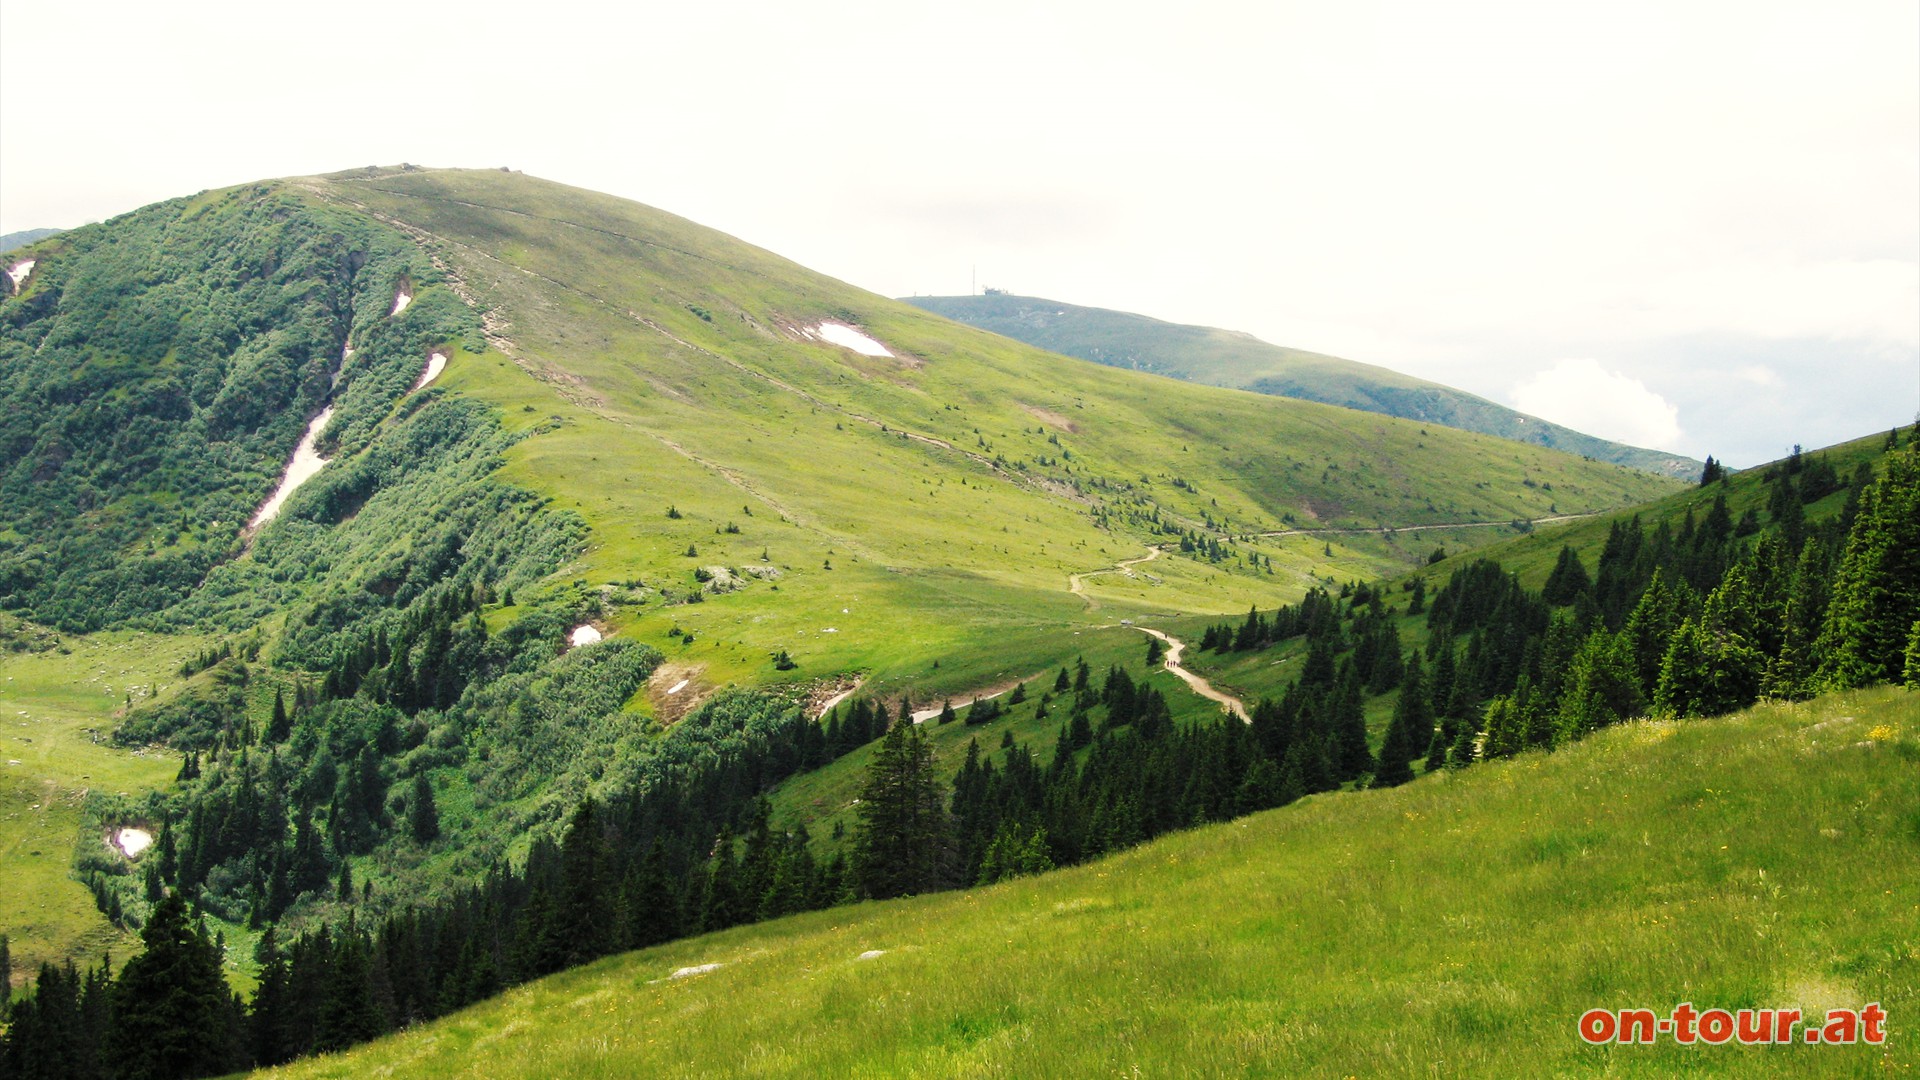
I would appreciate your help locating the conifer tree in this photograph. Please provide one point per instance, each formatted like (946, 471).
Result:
(348, 1013)
(1408, 732)
(268, 1020)
(1568, 581)
(580, 913)
(901, 845)
(172, 1011)
(1347, 721)
(1876, 593)
(1461, 753)
(280, 726)
(1790, 672)
(1651, 626)
(1601, 687)
(1504, 729)
(423, 817)
(1445, 733)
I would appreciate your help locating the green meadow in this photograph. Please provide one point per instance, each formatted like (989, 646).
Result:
(1455, 927)
(57, 707)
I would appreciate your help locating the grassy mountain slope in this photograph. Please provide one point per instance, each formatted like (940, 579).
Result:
(631, 403)
(1217, 357)
(1457, 926)
(952, 490)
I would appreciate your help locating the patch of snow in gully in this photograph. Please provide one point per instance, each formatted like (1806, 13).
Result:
(849, 338)
(305, 464)
(436, 363)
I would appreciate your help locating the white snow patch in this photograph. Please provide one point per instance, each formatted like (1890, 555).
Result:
(132, 841)
(13, 761)
(17, 273)
(400, 301)
(677, 687)
(436, 363)
(697, 969)
(847, 337)
(584, 634)
(871, 954)
(831, 630)
(304, 465)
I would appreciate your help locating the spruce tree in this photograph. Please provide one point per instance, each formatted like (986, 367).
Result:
(901, 845)
(172, 1012)
(1876, 593)
(268, 1016)
(280, 726)
(1408, 732)
(586, 888)
(1461, 753)
(1790, 672)
(1568, 581)
(1504, 729)
(348, 1014)
(1445, 733)
(48, 1037)
(1601, 687)
(1347, 721)
(423, 817)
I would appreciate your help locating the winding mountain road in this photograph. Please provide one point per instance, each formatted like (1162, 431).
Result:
(1124, 567)
(1200, 685)
(1385, 529)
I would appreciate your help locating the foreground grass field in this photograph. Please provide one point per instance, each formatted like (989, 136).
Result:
(1458, 926)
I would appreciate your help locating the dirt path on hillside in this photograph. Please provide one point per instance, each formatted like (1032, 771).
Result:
(1386, 529)
(1076, 582)
(1200, 685)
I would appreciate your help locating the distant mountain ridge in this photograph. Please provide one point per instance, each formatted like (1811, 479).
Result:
(13, 240)
(1217, 357)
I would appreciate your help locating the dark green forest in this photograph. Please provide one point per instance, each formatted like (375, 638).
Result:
(156, 374)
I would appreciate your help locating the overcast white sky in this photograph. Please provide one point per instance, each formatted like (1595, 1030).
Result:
(1687, 225)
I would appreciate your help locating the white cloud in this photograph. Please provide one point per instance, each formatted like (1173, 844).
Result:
(1587, 397)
